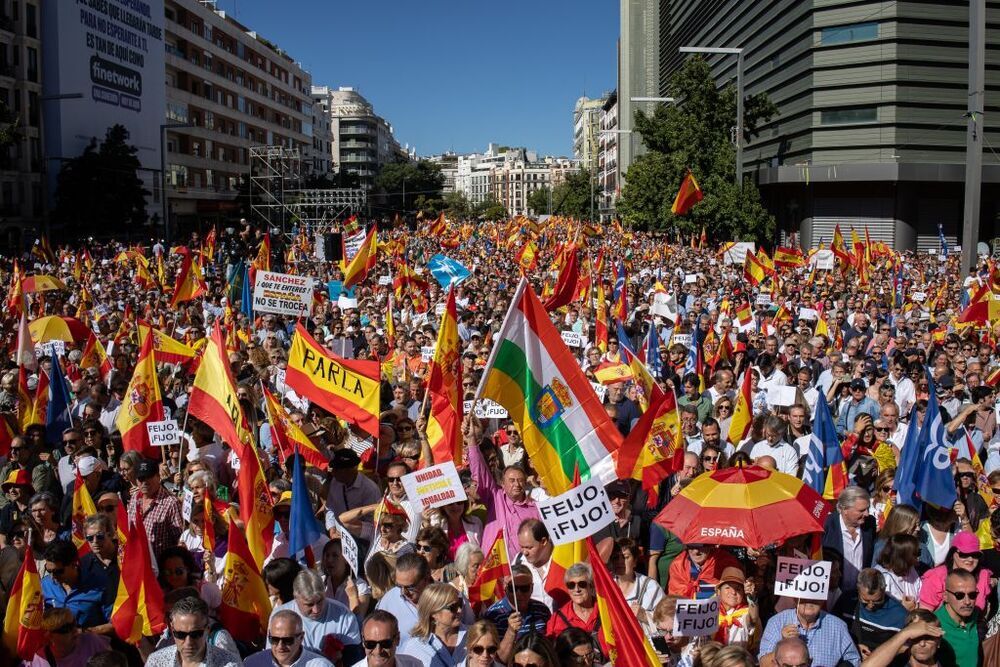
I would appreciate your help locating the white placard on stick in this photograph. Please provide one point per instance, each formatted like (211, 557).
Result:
(434, 486)
(385, 280)
(427, 353)
(572, 338)
(348, 547)
(49, 347)
(737, 254)
(188, 504)
(486, 409)
(600, 390)
(163, 433)
(681, 339)
(696, 618)
(282, 293)
(781, 396)
(578, 513)
(823, 260)
(664, 305)
(803, 578)
(808, 314)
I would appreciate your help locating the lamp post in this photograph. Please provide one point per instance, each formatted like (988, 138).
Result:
(163, 173)
(738, 52)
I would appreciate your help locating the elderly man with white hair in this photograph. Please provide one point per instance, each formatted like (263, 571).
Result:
(329, 627)
(285, 637)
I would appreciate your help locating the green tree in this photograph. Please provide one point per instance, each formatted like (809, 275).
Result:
(10, 127)
(490, 209)
(415, 179)
(457, 206)
(99, 191)
(572, 197)
(696, 134)
(540, 200)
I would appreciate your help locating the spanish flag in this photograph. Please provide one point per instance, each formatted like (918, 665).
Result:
(15, 294)
(245, 606)
(83, 506)
(754, 272)
(22, 626)
(349, 389)
(208, 530)
(94, 356)
(688, 195)
(742, 419)
(167, 349)
(190, 282)
(438, 227)
(654, 449)
(288, 435)
(444, 425)
(488, 586)
(364, 261)
(142, 404)
(138, 608)
(788, 258)
(263, 260)
(839, 249)
(213, 400)
(527, 257)
(601, 318)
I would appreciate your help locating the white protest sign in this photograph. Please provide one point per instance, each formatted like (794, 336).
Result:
(763, 300)
(49, 347)
(427, 353)
(163, 433)
(808, 314)
(696, 618)
(344, 302)
(919, 296)
(681, 339)
(282, 293)
(439, 308)
(385, 280)
(352, 244)
(578, 513)
(803, 578)
(664, 305)
(348, 547)
(434, 486)
(780, 396)
(823, 260)
(738, 253)
(486, 409)
(600, 390)
(572, 338)
(690, 278)
(187, 504)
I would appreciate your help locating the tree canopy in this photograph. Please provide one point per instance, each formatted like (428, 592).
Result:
(421, 182)
(696, 134)
(570, 197)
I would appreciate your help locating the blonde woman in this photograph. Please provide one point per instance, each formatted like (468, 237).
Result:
(438, 638)
(483, 642)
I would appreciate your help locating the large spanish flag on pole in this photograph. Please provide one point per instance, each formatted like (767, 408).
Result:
(22, 626)
(214, 401)
(142, 404)
(138, 608)
(349, 389)
(535, 377)
(83, 506)
(288, 435)
(167, 349)
(245, 605)
(488, 586)
(444, 425)
(742, 419)
(364, 261)
(190, 282)
(688, 195)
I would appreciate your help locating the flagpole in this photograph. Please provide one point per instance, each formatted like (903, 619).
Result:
(513, 590)
(180, 456)
(503, 327)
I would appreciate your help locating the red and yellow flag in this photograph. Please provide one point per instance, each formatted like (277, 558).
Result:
(754, 271)
(742, 419)
(621, 636)
(839, 249)
(142, 404)
(213, 401)
(263, 260)
(654, 449)
(488, 586)
(288, 435)
(190, 282)
(208, 529)
(688, 195)
(245, 606)
(138, 608)
(444, 425)
(167, 349)
(364, 261)
(788, 258)
(527, 256)
(94, 356)
(83, 506)
(348, 388)
(22, 626)
(438, 227)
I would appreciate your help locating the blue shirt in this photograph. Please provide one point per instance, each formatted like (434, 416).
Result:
(533, 619)
(828, 640)
(433, 653)
(85, 599)
(851, 410)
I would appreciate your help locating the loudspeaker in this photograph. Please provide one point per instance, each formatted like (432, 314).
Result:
(333, 247)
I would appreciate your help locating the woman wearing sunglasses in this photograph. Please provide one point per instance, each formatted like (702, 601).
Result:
(533, 650)
(581, 610)
(483, 642)
(65, 644)
(432, 546)
(178, 570)
(964, 554)
(438, 639)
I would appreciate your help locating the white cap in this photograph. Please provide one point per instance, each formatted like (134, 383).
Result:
(87, 465)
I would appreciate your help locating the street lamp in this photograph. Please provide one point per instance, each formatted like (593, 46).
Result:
(738, 52)
(163, 172)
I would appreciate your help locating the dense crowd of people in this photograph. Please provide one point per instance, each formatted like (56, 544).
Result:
(911, 584)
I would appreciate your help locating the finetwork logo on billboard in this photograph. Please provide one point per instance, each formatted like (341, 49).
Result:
(115, 76)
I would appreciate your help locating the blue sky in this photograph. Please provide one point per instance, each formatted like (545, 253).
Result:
(453, 74)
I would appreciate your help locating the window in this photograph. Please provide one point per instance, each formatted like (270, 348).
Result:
(852, 32)
(31, 19)
(867, 114)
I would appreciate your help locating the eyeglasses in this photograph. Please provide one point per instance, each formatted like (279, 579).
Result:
(455, 607)
(91, 431)
(710, 459)
(57, 572)
(393, 480)
(480, 650)
(284, 641)
(389, 525)
(14, 450)
(887, 489)
(969, 554)
(996, 492)
(384, 644)
(521, 588)
(18, 534)
(71, 441)
(725, 407)
(961, 595)
(413, 457)
(573, 585)
(177, 571)
(966, 475)
(425, 548)
(64, 629)
(881, 429)
(180, 635)
(96, 537)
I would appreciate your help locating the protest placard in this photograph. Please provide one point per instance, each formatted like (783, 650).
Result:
(348, 547)
(385, 280)
(576, 514)
(823, 260)
(187, 504)
(163, 433)
(572, 338)
(434, 486)
(781, 396)
(282, 293)
(49, 347)
(803, 578)
(696, 618)
(737, 254)
(664, 305)
(426, 353)
(681, 339)
(808, 314)
(600, 390)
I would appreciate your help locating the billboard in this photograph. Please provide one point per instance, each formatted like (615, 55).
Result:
(112, 53)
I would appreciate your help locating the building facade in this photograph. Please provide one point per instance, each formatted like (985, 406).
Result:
(22, 187)
(607, 161)
(362, 140)
(509, 176)
(642, 23)
(872, 102)
(233, 89)
(586, 131)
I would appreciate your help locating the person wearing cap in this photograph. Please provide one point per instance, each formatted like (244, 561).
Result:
(18, 491)
(160, 511)
(96, 477)
(350, 489)
(965, 554)
(24, 457)
(626, 523)
(739, 617)
(282, 515)
(859, 403)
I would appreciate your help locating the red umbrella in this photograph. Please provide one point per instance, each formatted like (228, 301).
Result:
(744, 506)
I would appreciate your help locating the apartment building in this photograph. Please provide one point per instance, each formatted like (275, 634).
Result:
(586, 131)
(509, 176)
(607, 161)
(228, 89)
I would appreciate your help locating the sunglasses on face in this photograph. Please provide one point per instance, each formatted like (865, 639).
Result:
(96, 537)
(969, 554)
(881, 429)
(961, 595)
(384, 644)
(108, 508)
(455, 607)
(710, 459)
(521, 588)
(180, 635)
(488, 650)
(573, 585)
(71, 441)
(284, 641)
(425, 548)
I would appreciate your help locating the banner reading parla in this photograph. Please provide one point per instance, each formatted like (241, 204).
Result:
(282, 293)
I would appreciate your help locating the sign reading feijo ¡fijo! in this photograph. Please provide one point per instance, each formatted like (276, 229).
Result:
(163, 433)
(696, 618)
(803, 578)
(578, 513)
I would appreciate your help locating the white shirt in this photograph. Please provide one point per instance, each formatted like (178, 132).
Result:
(306, 659)
(906, 395)
(404, 611)
(337, 621)
(538, 576)
(279, 547)
(853, 557)
(900, 587)
(785, 455)
(777, 379)
(401, 661)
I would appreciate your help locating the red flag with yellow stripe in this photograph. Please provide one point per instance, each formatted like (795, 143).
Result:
(190, 282)
(22, 626)
(742, 419)
(288, 435)
(245, 606)
(138, 609)
(488, 586)
(444, 425)
(83, 506)
(364, 261)
(143, 404)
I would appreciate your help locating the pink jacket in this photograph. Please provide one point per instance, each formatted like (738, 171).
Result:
(932, 589)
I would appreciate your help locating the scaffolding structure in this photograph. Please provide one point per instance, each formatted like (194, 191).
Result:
(275, 172)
